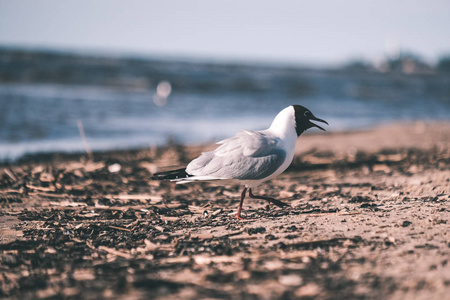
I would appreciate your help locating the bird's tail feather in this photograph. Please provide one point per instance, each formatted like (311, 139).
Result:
(170, 175)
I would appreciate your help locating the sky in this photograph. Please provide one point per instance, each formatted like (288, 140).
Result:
(305, 32)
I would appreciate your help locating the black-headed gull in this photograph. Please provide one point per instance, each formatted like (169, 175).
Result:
(250, 157)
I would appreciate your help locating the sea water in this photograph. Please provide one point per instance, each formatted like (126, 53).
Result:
(125, 104)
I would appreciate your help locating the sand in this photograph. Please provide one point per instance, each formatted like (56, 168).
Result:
(368, 218)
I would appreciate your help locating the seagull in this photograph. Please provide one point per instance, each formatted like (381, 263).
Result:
(250, 157)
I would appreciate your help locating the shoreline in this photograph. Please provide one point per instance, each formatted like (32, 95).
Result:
(368, 217)
(383, 137)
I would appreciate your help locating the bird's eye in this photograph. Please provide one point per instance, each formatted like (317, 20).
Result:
(307, 113)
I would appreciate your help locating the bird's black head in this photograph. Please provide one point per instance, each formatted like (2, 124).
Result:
(303, 117)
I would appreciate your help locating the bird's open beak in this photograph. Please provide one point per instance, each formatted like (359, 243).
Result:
(318, 120)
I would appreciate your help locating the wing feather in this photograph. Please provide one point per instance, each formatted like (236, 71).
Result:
(249, 155)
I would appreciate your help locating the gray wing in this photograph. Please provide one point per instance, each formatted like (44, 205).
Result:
(247, 156)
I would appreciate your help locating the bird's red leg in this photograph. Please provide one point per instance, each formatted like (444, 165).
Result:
(271, 200)
(238, 215)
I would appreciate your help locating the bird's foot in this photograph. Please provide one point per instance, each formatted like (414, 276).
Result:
(277, 202)
(270, 199)
(239, 217)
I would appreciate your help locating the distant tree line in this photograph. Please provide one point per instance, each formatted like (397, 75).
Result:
(404, 63)
(443, 64)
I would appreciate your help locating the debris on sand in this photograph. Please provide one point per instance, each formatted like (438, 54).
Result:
(366, 225)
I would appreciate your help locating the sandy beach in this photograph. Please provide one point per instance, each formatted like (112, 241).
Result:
(368, 218)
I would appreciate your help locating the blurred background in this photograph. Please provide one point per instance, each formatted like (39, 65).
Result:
(141, 73)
